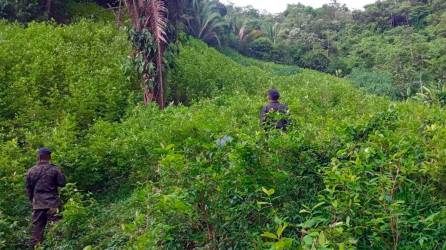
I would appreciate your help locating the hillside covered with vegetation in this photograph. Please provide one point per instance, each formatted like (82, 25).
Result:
(354, 170)
(393, 48)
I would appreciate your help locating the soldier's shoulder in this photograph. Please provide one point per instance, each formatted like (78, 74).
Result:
(269, 106)
(33, 168)
(55, 167)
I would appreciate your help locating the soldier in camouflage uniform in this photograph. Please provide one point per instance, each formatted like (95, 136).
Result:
(273, 106)
(42, 183)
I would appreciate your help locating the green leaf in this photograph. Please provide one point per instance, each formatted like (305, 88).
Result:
(318, 205)
(263, 203)
(312, 222)
(268, 192)
(283, 243)
(308, 240)
(322, 239)
(281, 228)
(269, 235)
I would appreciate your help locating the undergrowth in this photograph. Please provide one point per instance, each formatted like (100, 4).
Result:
(352, 171)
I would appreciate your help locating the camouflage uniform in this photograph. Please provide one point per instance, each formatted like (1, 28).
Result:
(274, 106)
(41, 183)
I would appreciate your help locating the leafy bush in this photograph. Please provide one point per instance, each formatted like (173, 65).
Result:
(55, 82)
(434, 94)
(261, 48)
(375, 82)
(27, 11)
(340, 177)
(48, 71)
(198, 75)
(13, 204)
(315, 60)
(22, 11)
(274, 68)
(352, 171)
(77, 11)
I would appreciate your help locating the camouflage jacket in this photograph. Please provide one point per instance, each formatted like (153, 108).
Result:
(41, 185)
(274, 107)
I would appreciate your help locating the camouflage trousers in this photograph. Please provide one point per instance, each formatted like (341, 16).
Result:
(40, 218)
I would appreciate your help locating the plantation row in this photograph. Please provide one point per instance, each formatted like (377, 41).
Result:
(353, 170)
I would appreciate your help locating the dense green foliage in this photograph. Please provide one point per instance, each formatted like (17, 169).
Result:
(353, 170)
(62, 11)
(405, 40)
(74, 71)
(400, 38)
(55, 82)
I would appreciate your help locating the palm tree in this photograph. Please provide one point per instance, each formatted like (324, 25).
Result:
(246, 36)
(203, 20)
(272, 31)
(149, 20)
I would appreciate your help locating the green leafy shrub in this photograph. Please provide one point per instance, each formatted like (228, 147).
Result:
(55, 82)
(77, 11)
(198, 75)
(27, 11)
(13, 203)
(316, 60)
(274, 68)
(48, 71)
(261, 48)
(375, 82)
(22, 11)
(434, 94)
(353, 170)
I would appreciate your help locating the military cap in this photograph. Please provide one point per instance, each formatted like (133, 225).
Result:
(274, 94)
(44, 151)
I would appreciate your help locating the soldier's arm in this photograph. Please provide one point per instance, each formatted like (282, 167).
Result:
(285, 109)
(61, 180)
(263, 115)
(29, 186)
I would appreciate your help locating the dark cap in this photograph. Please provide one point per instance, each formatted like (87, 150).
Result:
(273, 94)
(44, 151)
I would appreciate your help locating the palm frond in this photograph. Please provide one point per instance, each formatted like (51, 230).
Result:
(203, 20)
(212, 22)
(156, 12)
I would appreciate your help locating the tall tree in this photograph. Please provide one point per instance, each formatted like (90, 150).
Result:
(149, 19)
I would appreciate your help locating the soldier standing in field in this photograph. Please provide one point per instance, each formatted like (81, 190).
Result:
(274, 106)
(42, 183)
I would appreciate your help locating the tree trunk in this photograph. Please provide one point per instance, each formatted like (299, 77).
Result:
(160, 77)
(48, 8)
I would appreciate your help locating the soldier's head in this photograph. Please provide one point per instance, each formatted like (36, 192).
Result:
(273, 95)
(44, 154)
